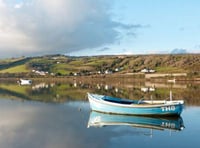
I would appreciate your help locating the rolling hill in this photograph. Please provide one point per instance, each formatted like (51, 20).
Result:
(60, 65)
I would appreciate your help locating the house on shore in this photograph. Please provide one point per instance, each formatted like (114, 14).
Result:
(145, 70)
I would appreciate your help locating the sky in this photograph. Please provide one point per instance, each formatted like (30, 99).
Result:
(98, 27)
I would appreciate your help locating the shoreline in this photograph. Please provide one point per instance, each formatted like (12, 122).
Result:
(128, 76)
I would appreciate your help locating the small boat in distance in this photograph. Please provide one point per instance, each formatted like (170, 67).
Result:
(113, 105)
(25, 82)
(98, 119)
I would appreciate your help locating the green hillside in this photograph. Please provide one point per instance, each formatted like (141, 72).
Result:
(59, 65)
(16, 69)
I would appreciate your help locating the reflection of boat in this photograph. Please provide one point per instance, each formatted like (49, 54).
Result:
(98, 119)
(114, 105)
(25, 82)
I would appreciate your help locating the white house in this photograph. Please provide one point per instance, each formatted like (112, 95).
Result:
(148, 70)
(145, 70)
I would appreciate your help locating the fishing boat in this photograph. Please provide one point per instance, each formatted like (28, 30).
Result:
(98, 119)
(25, 82)
(113, 105)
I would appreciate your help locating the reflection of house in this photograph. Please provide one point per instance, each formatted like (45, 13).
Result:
(39, 86)
(172, 81)
(151, 89)
(146, 89)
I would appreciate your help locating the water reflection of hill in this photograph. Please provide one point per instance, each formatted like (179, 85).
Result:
(59, 91)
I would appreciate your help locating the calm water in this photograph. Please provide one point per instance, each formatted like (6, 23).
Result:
(29, 119)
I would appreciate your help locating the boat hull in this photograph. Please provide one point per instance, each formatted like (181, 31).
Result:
(167, 109)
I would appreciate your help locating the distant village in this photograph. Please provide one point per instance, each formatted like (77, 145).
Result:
(43, 73)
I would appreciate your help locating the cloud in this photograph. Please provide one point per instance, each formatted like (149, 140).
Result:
(27, 124)
(63, 26)
(104, 49)
(178, 51)
(197, 46)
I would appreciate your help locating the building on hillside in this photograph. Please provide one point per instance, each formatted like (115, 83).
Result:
(145, 70)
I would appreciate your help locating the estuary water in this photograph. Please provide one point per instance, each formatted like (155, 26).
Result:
(59, 116)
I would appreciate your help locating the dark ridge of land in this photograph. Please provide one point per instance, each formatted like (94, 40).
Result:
(12, 63)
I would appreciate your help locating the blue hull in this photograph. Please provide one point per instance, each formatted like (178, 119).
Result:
(112, 105)
(98, 119)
